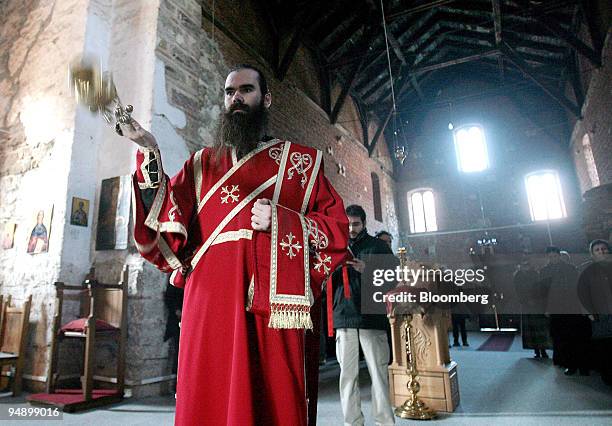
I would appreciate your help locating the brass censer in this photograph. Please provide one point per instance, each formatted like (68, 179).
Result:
(97, 91)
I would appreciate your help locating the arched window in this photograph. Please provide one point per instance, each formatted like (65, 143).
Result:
(376, 196)
(422, 211)
(471, 148)
(590, 160)
(545, 195)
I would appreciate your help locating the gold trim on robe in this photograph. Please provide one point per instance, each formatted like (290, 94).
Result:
(231, 171)
(197, 174)
(281, 171)
(313, 178)
(229, 217)
(228, 236)
(289, 310)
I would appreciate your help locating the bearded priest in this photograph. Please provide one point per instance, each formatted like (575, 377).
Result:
(251, 228)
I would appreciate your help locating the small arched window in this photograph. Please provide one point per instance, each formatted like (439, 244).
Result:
(376, 197)
(545, 195)
(422, 211)
(471, 148)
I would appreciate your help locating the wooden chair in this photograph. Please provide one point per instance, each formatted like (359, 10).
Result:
(14, 324)
(105, 316)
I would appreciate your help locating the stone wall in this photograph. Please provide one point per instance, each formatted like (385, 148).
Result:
(52, 151)
(37, 42)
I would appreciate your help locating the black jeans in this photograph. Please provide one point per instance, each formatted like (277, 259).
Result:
(458, 321)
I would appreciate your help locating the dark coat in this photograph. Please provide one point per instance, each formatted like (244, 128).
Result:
(173, 299)
(347, 312)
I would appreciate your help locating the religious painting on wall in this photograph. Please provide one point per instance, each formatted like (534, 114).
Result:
(79, 212)
(114, 214)
(8, 235)
(38, 237)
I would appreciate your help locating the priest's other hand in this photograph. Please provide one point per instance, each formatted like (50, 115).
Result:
(134, 131)
(262, 215)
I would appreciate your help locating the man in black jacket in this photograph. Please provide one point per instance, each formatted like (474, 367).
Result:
(354, 328)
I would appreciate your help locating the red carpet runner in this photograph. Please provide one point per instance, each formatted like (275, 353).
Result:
(497, 342)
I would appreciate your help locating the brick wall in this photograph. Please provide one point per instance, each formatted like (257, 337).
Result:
(596, 123)
(596, 126)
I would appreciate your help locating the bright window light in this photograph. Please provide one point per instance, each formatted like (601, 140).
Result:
(545, 196)
(471, 149)
(422, 211)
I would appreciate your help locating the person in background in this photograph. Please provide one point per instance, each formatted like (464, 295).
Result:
(173, 299)
(565, 257)
(595, 293)
(533, 294)
(354, 329)
(386, 237)
(570, 330)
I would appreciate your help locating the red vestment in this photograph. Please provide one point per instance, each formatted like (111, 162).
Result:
(247, 355)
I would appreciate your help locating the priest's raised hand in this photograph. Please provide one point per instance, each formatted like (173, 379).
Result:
(134, 131)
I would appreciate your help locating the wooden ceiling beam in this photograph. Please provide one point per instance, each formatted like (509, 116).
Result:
(404, 84)
(373, 83)
(269, 16)
(570, 39)
(574, 78)
(382, 80)
(407, 32)
(396, 47)
(340, 37)
(321, 28)
(395, 14)
(296, 39)
(457, 61)
(363, 120)
(324, 81)
(516, 59)
(589, 10)
(270, 20)
(497, 27)
(366, 40)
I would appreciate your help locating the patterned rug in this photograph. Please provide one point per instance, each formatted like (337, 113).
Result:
(497, 342)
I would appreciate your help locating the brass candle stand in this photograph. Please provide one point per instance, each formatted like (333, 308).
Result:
(413, 408)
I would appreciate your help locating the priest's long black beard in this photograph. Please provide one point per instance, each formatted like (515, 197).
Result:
(240, 130)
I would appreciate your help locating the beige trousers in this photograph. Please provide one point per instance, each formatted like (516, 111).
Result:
(376, 351)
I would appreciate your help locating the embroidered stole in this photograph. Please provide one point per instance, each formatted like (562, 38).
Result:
(292, 170)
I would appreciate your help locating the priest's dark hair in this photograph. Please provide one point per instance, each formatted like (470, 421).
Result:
(552, 249)
(357, 211)
(261, 78)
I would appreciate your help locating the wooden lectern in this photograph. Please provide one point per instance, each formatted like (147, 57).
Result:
(437, 374)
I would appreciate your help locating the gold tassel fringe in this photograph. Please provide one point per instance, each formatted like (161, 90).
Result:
(290, 319)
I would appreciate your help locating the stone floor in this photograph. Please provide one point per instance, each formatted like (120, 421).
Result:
(497, 388)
